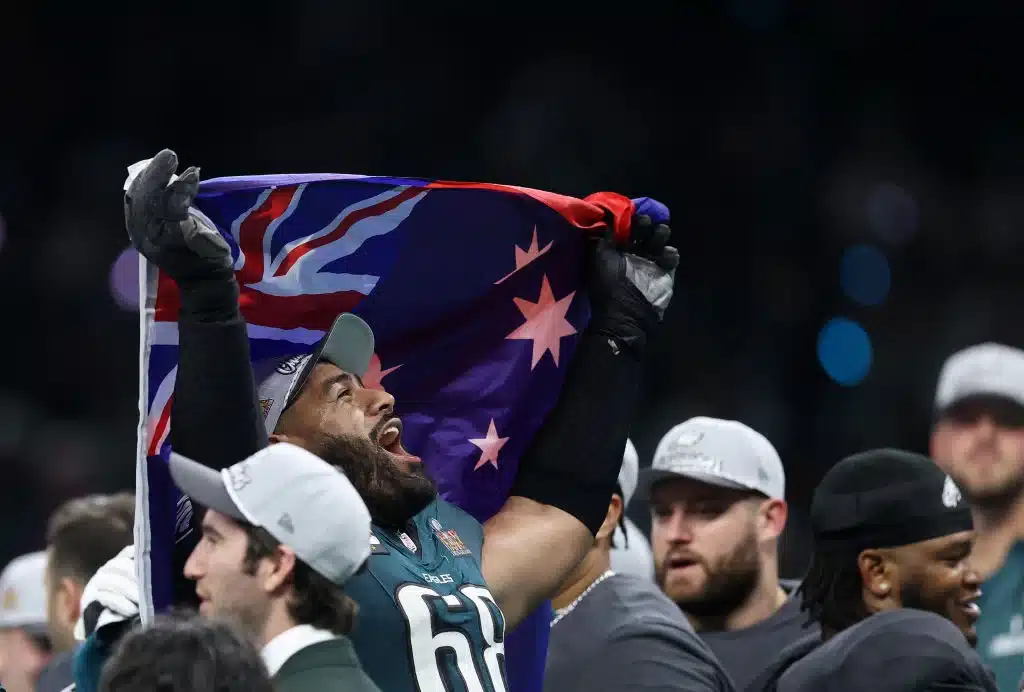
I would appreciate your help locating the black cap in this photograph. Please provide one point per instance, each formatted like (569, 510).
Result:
(885, 498)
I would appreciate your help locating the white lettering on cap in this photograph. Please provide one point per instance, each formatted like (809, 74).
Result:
(951, 495)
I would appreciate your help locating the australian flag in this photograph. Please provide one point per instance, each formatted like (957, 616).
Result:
(473, 292)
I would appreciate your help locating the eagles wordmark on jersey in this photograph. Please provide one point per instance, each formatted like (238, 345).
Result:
(427, 622)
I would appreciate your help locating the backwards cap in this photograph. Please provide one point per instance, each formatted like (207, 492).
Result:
(349, 345)
(886, 498)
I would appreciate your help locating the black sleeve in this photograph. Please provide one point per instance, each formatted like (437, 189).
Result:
(215, 417)
(574, 460)
(653, 661)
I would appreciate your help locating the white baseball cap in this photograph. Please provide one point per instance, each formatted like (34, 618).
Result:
(719, 452)
(300, 499)
(23, 590)
(628, 473)
(988, 369)
(349, 345)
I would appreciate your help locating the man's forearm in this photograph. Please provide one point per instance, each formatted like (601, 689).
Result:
(215, 417)
(562, 490)
(574, 460)
(528, 549)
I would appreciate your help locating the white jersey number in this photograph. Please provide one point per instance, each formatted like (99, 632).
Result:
(419, 605)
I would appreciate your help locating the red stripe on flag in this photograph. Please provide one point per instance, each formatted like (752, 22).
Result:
(341, 229)
(252, 231)
(311, 311)
(161, 425)
(587, 214)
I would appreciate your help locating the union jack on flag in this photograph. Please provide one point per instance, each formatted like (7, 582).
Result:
(473, 293)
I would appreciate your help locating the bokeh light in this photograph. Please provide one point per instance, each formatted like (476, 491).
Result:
(844, 351)
(864, 274)
(124, 279)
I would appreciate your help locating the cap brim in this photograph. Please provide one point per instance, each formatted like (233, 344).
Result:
(981, 398)
(349, 345)
(204, 485)
(651, 477)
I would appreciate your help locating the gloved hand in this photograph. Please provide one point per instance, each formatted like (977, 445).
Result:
(166, 230)
(631, 287)
(112, 595)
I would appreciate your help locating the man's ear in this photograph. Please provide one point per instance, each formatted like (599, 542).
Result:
(278, 569)
(69, 600)
(771, 519)
(611, 518)
(879, 577)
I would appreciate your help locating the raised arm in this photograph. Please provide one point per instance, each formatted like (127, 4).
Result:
(560, 495)
(214, 417)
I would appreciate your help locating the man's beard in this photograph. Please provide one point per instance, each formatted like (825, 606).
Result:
(994, 498)
(730, 582)
(392, 495)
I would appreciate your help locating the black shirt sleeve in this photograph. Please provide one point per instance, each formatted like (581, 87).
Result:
(215, 417)
(574, 459)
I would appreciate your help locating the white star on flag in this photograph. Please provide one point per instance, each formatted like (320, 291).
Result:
(489, 447)
(524, 257)
(545, 322)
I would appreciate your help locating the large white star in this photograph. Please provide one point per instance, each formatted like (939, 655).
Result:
(545, 322)
(489, 447)
(374, 374)
(524, 257)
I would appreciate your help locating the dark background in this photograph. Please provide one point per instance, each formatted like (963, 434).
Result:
(781, 134)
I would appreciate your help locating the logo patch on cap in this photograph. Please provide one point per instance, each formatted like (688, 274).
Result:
(951, 495)
(239, 474)
(285, 522)
(290, 366)
(688, 438)
(10, 599)
(265, 405)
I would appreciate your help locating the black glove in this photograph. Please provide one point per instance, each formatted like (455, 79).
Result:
(179, 240)
(630, 288)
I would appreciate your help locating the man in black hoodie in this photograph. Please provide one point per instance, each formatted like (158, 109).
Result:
(890, 584)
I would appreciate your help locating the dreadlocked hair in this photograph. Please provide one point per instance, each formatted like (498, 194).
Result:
(832, 591)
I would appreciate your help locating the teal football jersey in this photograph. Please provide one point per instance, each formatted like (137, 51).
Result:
(427, 622)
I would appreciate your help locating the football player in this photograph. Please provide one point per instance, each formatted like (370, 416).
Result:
(441, 590)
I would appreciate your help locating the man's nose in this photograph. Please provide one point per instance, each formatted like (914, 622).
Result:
(679, 528)
(378, 402)
(192, 565)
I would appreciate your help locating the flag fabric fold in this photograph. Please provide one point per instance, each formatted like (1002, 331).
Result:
(474, 292)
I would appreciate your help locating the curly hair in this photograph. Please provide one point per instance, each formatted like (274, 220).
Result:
(832, 591)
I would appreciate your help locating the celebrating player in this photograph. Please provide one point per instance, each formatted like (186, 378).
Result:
(440, 590)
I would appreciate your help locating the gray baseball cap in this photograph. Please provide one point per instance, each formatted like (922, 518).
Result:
(23, 593)
(300, 499)
(349, 345)
(988, 369)
(719, 452)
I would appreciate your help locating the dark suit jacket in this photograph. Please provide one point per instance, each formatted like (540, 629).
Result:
(330, 666)
(56, 676)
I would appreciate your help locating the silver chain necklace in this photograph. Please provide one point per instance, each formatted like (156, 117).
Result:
(562, 612)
